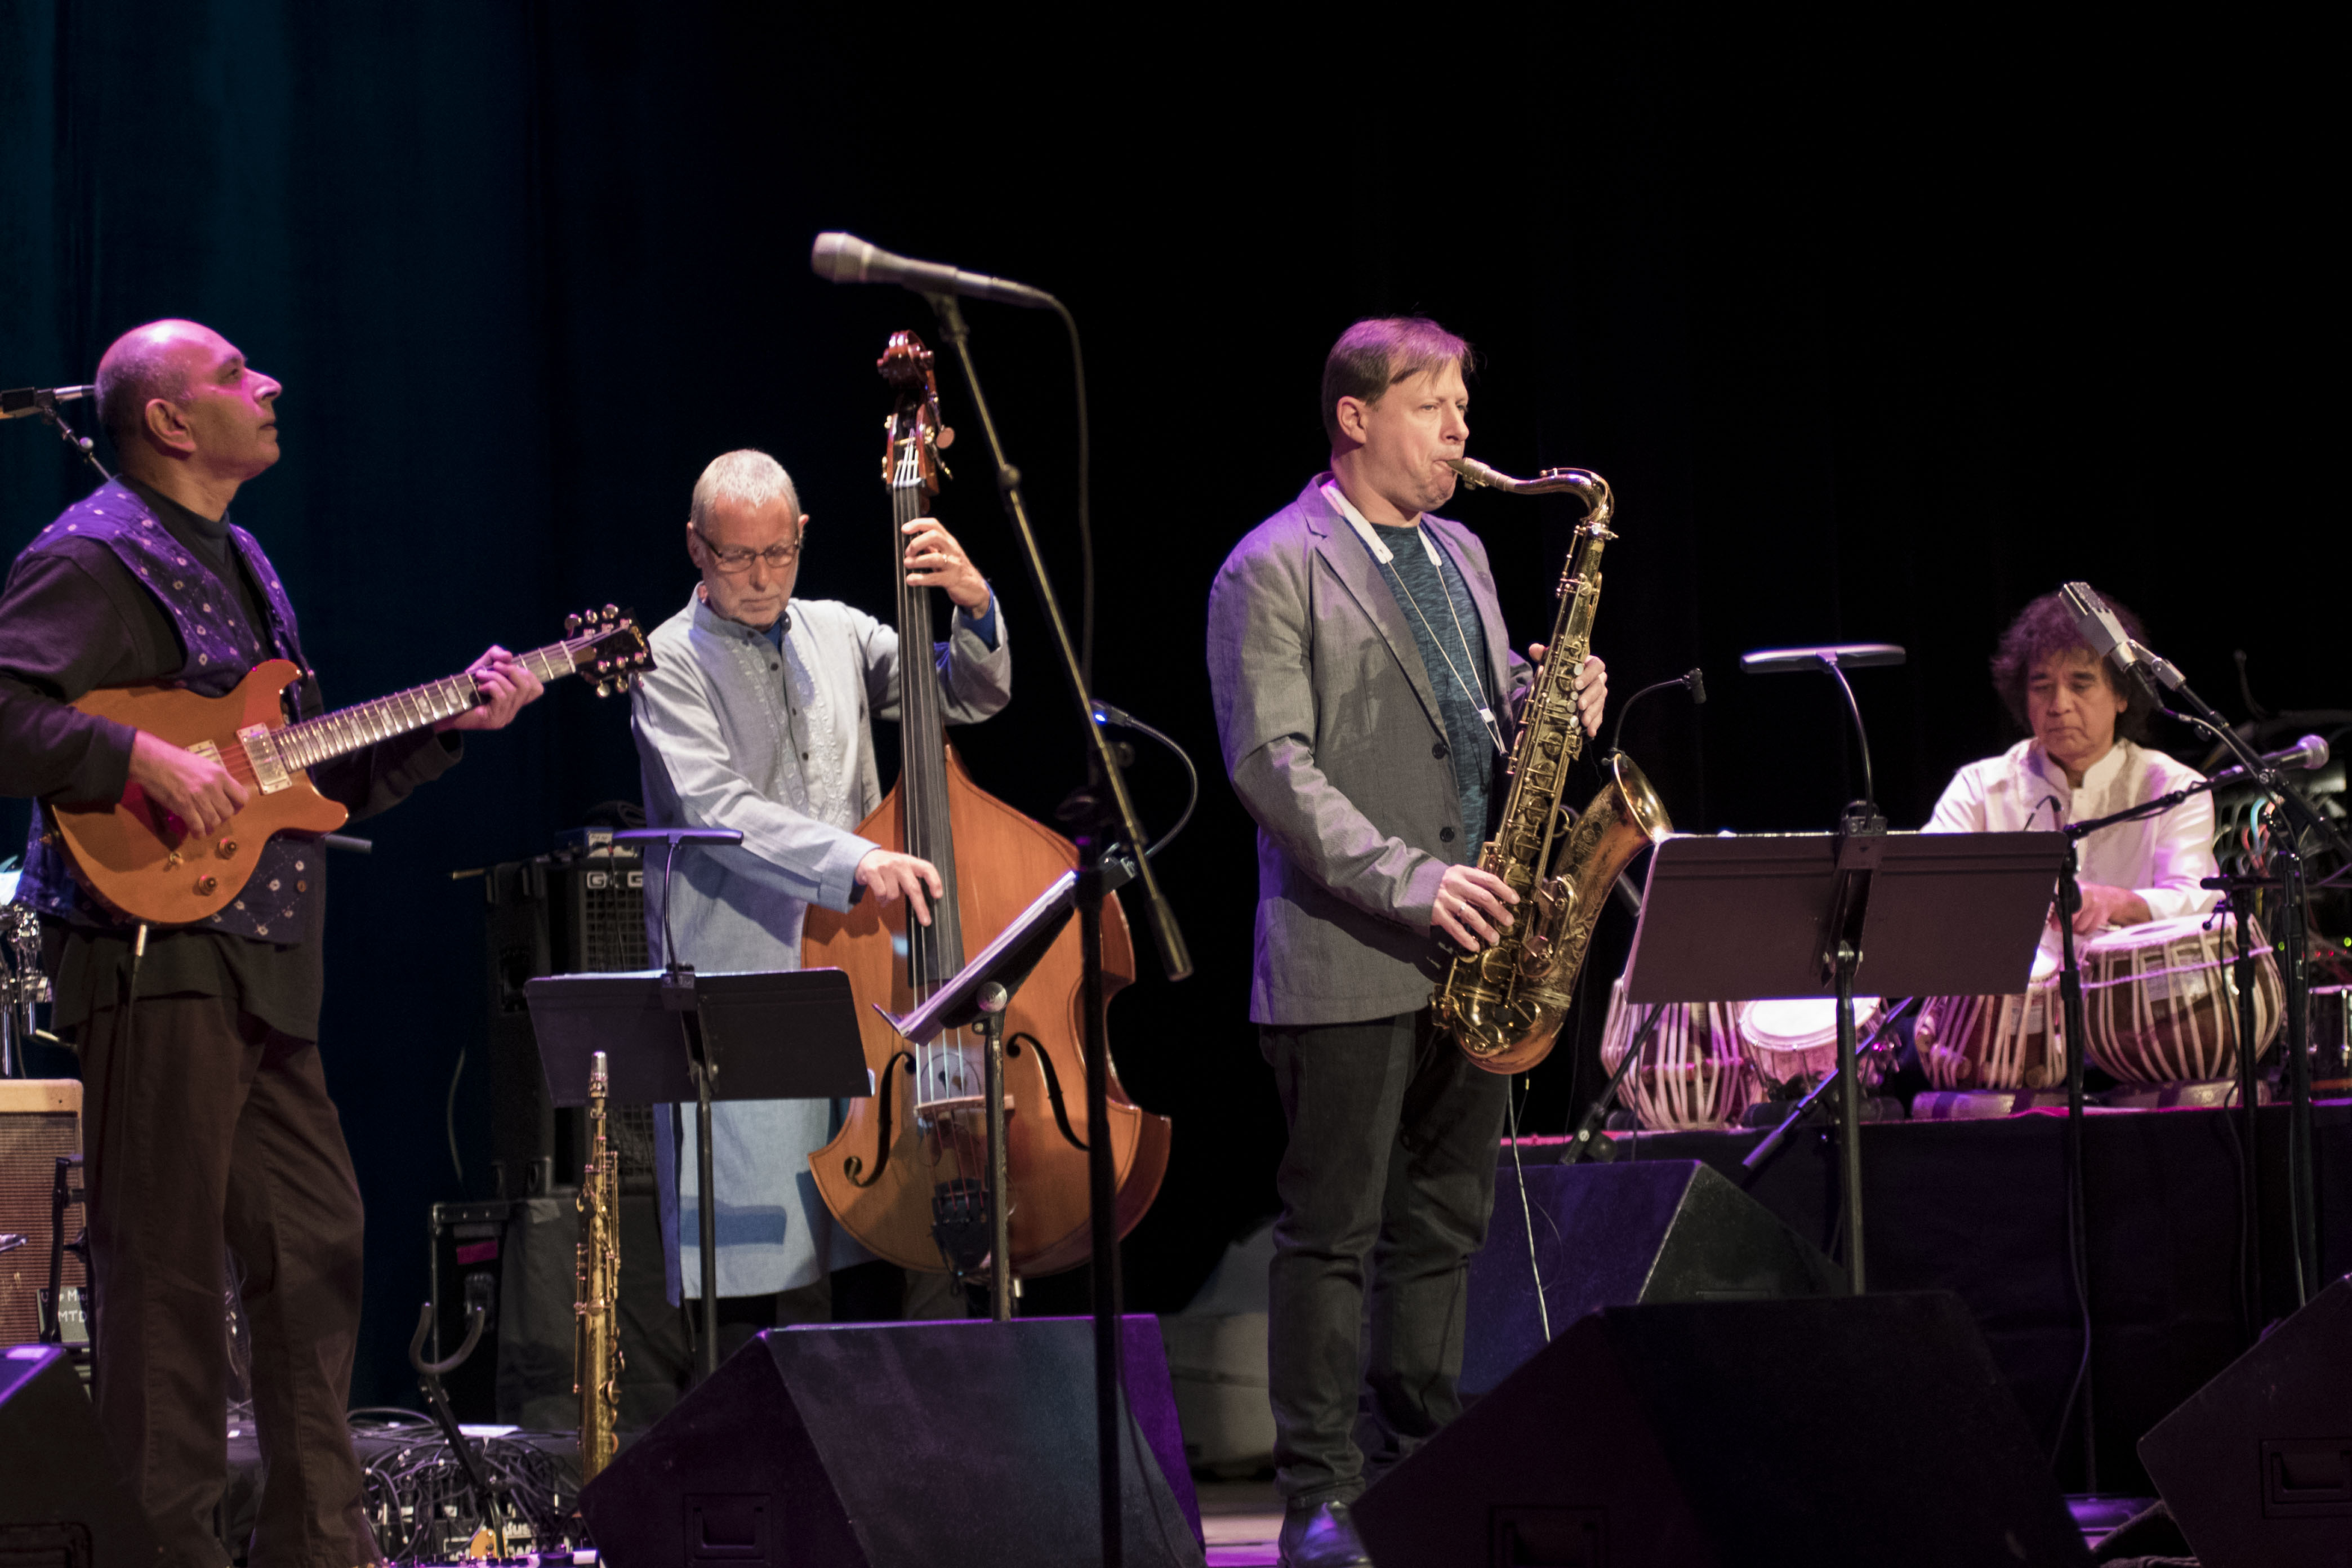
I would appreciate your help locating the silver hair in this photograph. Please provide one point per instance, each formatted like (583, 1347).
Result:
(747, 478)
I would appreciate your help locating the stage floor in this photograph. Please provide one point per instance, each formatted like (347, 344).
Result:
(1240, 1520)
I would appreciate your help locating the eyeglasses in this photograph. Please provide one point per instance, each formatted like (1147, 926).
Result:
(777, 556)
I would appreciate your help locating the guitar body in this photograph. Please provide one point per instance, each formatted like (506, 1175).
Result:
(139, 860)
(890, 1214)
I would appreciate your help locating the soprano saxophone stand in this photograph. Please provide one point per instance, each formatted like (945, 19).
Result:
(779, 1033)
(1821, 914)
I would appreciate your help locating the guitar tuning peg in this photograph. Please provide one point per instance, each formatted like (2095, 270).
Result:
(603, 689)
(612, 613)
(572, 626)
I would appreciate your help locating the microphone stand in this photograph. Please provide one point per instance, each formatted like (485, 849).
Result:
(2290, 818)
(2070, 990)
(1099, 812)
(83, 447)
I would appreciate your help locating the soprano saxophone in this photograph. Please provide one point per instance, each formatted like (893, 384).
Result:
(596, 1335)
(1505, 1005)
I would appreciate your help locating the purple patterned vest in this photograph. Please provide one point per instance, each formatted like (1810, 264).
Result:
(221, 647)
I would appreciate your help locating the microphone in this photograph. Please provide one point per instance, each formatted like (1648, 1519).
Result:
(21, 402)
(2308, 754)
(1843, 655)
(2105, 633)
(844, 259)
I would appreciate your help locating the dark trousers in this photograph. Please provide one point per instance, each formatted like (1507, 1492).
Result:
(1390, 1165)
(210, 1128)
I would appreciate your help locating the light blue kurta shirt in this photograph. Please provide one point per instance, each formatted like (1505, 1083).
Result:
(733, 732)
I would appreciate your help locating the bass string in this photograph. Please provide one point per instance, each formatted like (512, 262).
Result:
(933, 953)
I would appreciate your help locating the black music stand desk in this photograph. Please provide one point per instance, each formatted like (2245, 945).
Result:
(1937, 914)
(679, 1036)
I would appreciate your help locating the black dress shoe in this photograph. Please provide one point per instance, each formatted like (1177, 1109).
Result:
(1321, 1537)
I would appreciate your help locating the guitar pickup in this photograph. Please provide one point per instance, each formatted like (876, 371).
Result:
(261, 751)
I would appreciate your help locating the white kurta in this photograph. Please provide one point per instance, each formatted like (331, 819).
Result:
(728, 739)
(2161, 859)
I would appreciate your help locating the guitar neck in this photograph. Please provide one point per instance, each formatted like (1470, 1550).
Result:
(347, 729)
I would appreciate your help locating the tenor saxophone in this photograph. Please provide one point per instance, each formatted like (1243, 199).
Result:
(1505, 1005)
(595, 1338)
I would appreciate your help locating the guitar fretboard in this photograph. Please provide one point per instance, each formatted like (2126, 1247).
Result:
(331, 735)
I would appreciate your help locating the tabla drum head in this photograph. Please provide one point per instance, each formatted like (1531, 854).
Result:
(1794, 1038)
(2147, 933)
(1800, 1023)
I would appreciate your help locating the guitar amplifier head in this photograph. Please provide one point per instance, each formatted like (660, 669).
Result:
(40, 1119)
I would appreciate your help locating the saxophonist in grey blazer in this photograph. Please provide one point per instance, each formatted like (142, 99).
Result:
(1365, 693)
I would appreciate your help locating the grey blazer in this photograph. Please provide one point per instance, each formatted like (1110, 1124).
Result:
(1334, 741)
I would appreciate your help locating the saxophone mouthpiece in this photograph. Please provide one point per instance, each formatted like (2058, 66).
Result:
(1478, 473)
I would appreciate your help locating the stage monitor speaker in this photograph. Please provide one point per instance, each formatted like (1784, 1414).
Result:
(60, 1504)
(1840, 1430)
(903, 1445)
(1617, 1235)
(2257, 1465)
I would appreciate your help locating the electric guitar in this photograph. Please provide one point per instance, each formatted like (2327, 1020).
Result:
(142, 861)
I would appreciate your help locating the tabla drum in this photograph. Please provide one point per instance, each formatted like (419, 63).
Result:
(2160, 1001)
(1997, 1042)
(1793, 1039)
(1691, 1073)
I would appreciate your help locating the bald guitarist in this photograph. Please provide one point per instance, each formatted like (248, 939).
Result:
(207, 1122)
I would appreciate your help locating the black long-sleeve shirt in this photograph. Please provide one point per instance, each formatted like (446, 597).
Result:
(72, 619)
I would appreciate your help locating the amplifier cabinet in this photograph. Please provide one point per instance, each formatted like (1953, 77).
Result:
(40, 1119)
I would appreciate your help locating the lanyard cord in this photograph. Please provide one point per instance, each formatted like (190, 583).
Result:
(1486, 710)
(1386, 558)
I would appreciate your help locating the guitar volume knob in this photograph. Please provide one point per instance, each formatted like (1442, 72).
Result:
(206, 884)
(227, 848)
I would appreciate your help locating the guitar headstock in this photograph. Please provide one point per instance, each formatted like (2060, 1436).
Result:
(607, 646)
(911, 456)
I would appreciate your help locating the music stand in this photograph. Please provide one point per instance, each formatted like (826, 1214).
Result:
(778, 1035)
(1825, 915)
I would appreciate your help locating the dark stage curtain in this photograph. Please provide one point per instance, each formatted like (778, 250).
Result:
(1866, 352)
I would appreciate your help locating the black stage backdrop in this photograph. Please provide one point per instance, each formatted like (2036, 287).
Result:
(1875, 337)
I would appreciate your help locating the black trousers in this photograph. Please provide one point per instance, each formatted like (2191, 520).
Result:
(212, 1129)
(1386, 1184)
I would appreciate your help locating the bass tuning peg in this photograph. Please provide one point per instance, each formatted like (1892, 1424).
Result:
(572, 626)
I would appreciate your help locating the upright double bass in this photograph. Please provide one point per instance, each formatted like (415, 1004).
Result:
(908, 1175)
